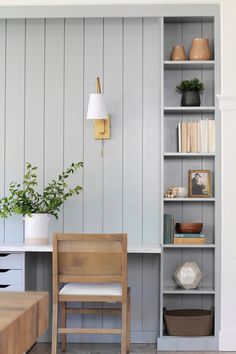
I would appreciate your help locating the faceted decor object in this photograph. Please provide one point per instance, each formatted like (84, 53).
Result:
(188, 275)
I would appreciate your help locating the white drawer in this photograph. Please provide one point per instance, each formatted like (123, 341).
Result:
(11, 260)
(11, 288)
(11, 277)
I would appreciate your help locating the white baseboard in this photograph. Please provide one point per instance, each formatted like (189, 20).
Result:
(227, 341)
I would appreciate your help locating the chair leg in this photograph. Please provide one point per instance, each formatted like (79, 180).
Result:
(63, 325)
(54, 328)
(128, 323)
(124, 328)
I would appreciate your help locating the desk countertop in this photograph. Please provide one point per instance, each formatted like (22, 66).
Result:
(132, 248)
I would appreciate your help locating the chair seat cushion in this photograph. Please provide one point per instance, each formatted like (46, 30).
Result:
(99, 289)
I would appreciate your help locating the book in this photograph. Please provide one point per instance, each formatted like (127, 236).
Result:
(184, 137)
(204, 135)
(189, 240)
(168, 228)
(179, 137)
(211, 136)
(194, 137)
(188, 235)
(188, 136)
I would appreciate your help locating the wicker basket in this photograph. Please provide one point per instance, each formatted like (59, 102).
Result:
(189, 322)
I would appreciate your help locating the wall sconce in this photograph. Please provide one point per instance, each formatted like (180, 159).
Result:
(98, 112)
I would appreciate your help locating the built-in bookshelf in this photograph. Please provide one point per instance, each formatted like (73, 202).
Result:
(176, 164)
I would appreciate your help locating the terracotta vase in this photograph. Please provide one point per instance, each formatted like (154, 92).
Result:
(178, 53)
(200, 49)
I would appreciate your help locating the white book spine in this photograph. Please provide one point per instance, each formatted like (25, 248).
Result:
(179, 137)
(211, 136)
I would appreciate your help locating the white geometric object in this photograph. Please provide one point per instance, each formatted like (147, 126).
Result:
(188, 275)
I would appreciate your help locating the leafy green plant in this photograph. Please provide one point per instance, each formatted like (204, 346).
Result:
(191, 85)
(26, 200)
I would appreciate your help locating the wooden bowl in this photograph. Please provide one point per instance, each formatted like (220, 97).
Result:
(188, 227)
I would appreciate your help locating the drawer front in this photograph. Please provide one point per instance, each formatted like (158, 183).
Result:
(11, 260)
(11, 277)
(11, 288)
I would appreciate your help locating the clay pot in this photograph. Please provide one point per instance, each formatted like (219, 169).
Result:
(190, 98)
(178, 53)
(200, 49)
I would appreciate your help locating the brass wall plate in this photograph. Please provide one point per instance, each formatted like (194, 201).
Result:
(101, 128)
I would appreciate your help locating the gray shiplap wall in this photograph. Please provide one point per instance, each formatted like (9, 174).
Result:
(47, 71)
(48, 68)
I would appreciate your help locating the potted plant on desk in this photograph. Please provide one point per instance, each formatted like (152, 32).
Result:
(190, 90)
(37, 208)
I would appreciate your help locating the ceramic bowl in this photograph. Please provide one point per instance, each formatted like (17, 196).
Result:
(189, 228)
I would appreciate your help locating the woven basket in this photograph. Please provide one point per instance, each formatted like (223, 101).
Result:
(189, 322)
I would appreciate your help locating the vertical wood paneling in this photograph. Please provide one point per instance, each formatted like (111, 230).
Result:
(15, 88)
(54, 105)
(34, 96)
(58, 73)
(112, 160)
(112, 168)
(93, 174)
(93, 67)
(151, 130)
(135, 279)
(2, 114)
(74, 117)
(151, 284)
(132, 131)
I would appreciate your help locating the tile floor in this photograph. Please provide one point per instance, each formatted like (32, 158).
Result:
(45, 348)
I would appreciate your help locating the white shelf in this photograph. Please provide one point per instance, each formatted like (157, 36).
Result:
(204, 245)
(189, 154)
(189, 64)
(200, 290)
(180, 109)
(132, 248)
(189, 199)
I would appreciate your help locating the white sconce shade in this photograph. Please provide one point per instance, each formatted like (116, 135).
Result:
(97, 107)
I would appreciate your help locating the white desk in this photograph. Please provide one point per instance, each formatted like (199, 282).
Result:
(132, 248)
(18, 262)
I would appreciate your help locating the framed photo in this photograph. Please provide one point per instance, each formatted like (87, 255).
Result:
(199, 185)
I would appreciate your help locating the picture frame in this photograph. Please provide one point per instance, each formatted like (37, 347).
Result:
(199, 184)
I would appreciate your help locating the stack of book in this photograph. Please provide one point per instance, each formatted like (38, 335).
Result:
(169, 228)
(196, 136)
(189, 239)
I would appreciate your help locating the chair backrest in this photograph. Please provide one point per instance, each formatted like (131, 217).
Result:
(90, 258)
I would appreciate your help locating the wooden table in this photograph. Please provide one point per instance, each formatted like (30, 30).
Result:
(23, 318)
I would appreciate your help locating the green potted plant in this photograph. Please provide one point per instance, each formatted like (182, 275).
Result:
(36, 207)
(190, 90)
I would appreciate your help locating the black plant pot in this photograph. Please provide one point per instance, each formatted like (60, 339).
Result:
(190, 98)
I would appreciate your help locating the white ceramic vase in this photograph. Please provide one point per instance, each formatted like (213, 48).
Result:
(37, 229)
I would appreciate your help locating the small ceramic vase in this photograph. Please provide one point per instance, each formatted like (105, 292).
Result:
(178, 53)
(200, 49)
(182, 192)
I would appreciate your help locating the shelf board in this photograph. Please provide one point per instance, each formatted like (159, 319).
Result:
(205, 245)
(179, 109)
(189, 64)
(170, 343)
(189, 154)
(200, 290)
(189, 199)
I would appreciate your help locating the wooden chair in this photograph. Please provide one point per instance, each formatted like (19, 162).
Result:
(90, 267)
